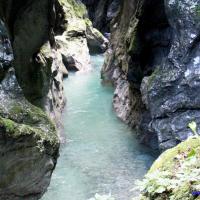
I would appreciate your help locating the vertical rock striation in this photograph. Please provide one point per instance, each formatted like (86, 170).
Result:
(101, 12)
(153, 62)
(31, 28)
(172, 91)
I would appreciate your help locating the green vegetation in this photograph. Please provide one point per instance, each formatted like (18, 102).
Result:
(175, 174)
(8, 124)
(14, 130)
(23, 119)
(193, 126)
(197, 10)
(153, 76)
(73, 8)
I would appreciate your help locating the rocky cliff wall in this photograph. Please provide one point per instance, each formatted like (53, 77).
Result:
(153, 62)
(47, 38)
(29, 145)
(102, 12)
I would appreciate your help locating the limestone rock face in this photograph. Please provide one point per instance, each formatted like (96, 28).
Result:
(43, 35)
(46, 36)
(79, 36)
(124, 101)
(117, 57)
(124, 54)
(6, 55)
(28, 145)
(102, 12)
(156, 46)
(31, 34)
(172, 91)
(97, 43)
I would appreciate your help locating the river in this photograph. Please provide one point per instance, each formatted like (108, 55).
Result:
(102, 154)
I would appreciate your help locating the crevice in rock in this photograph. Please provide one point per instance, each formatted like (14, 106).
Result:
(153, 38)
(140, 43)
(6, 52)
(151, 46)
(192, 49)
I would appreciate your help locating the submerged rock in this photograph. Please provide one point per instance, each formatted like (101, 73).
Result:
(28, 145)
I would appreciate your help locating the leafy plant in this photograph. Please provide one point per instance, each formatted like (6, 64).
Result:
(193, 126)
(175, 179)
(197, 9)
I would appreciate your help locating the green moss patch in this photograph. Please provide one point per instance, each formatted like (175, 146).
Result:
(74, 8)
(175, 174)
(11, 129)
(20, 118)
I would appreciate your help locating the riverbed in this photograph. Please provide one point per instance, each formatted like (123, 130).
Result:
(102, 154)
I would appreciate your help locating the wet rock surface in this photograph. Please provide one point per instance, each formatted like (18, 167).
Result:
(28, 145)
(102, 12)
(158, 53)
(31, 34)
(173, 89)
(6, 54)
(124, 101)
(46, 36)
(41, 36)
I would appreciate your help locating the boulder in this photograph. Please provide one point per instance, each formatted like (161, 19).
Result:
(28, 145)
(172, 91)
(79, 37)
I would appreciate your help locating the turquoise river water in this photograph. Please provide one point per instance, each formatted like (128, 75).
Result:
(101, 154)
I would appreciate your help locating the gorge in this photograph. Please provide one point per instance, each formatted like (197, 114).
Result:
(151, 50)
(102, 154)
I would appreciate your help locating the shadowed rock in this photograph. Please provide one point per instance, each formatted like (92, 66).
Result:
(28, 145)
(155, 44)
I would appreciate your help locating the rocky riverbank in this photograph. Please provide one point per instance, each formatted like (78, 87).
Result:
(48, 39)
(153, 62)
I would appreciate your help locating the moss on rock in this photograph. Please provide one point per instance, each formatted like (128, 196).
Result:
(26, 119)
(153, 76)
(29, 140)
(73, 8)
(175, 174)
(15, 130)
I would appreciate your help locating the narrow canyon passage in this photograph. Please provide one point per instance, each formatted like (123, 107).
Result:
(101, 154)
